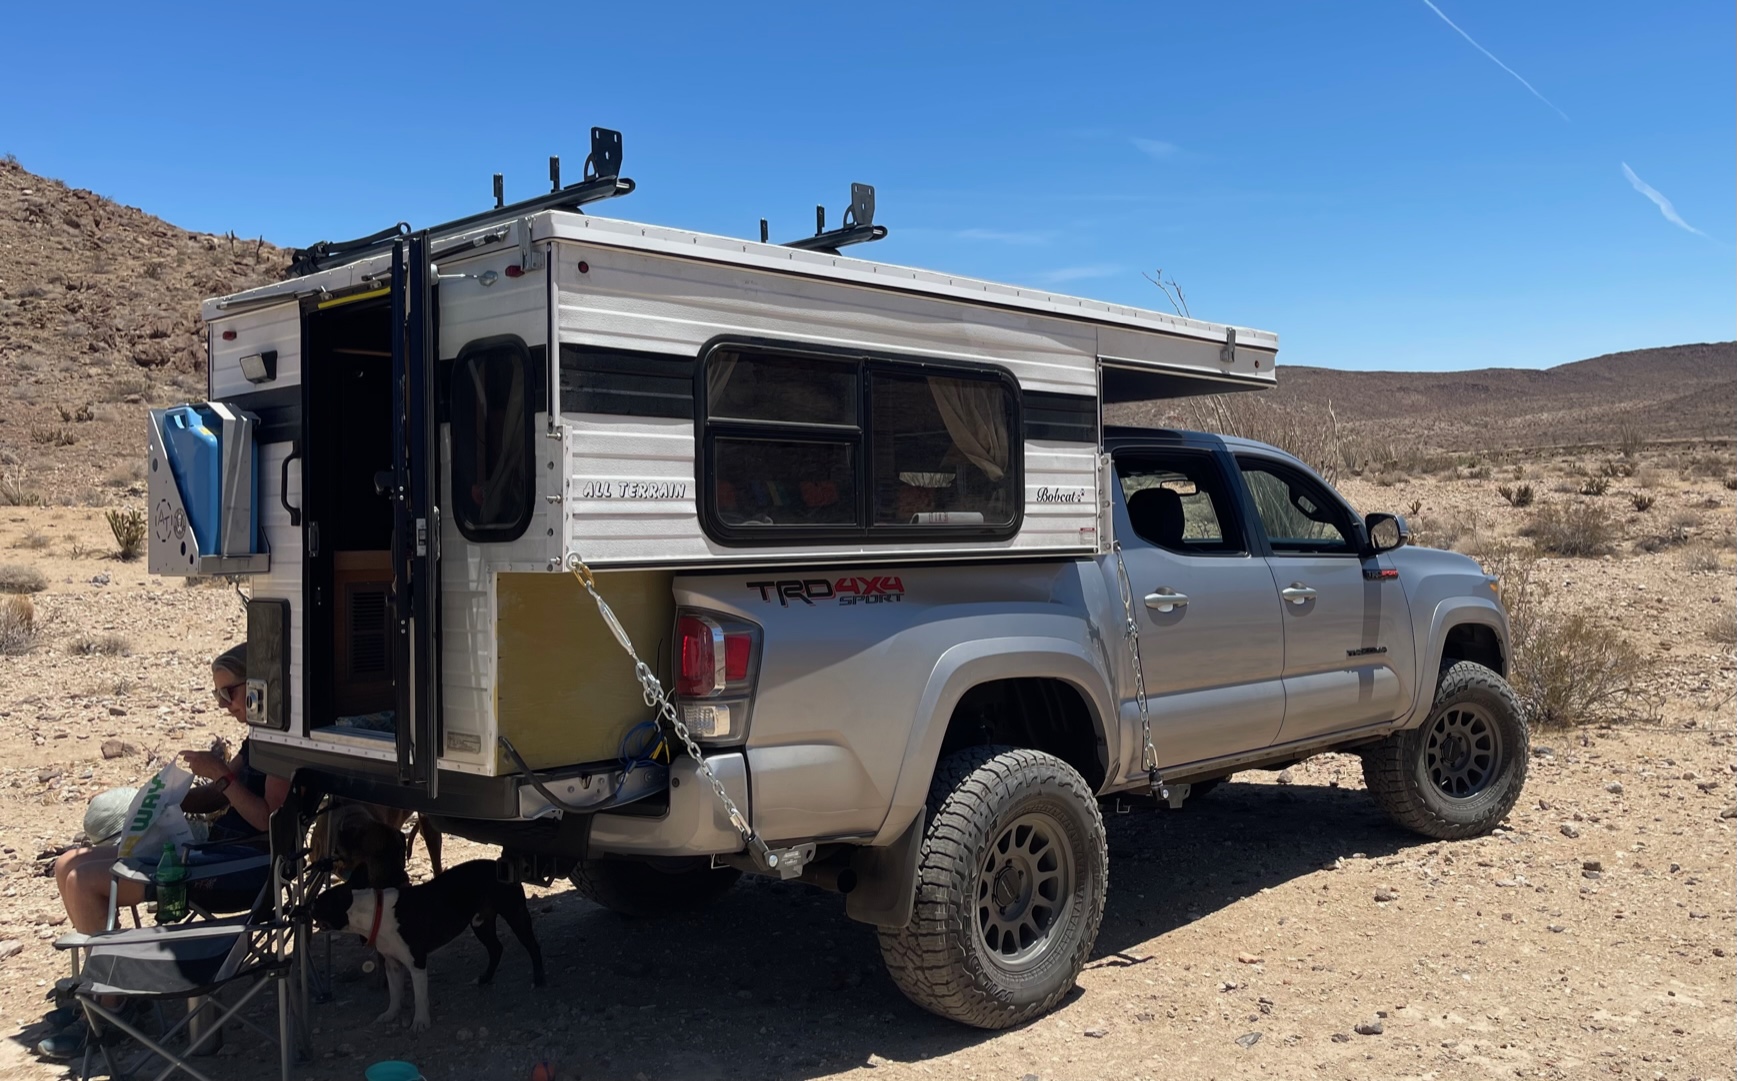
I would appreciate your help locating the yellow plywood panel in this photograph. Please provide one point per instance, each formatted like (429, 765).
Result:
(566, 692)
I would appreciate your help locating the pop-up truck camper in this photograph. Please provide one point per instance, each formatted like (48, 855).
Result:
(657, 557)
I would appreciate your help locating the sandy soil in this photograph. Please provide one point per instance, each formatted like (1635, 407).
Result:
(1593, 935)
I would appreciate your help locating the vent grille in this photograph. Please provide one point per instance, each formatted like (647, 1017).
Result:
(368, 632)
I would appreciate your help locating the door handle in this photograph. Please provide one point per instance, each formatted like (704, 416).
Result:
(1166, 600)
(1297, 593)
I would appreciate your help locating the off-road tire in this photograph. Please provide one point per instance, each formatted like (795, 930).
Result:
(649, 889)
(1475, 740)
(1002, 807)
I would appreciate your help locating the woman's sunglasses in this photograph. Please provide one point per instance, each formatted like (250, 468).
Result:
(226, 694)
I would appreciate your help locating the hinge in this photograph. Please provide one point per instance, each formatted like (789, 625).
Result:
(530, 256)
(1227, 351)
(422, 536)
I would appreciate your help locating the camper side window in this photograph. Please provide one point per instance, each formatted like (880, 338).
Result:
(491, 441)
(805, 446)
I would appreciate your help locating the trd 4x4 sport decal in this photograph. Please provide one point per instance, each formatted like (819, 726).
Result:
(874, 589)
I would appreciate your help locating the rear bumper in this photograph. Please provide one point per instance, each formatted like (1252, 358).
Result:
(509, 812)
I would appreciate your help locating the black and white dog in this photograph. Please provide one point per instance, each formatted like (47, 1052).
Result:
(408, 924)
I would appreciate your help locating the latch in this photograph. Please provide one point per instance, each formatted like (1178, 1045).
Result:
(1227, 351)
(530, 256)
(421, 537)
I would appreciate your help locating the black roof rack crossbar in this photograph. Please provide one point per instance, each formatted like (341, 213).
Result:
(605, 155)
(859, 225)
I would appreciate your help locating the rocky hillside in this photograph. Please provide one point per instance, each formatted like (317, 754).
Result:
(99, 315)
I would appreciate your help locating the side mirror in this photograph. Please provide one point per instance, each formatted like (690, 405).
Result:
(1387, 532)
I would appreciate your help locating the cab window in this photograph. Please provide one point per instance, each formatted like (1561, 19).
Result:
(1181, 503)
(1298, 514)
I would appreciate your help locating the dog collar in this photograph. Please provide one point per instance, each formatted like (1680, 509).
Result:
(379, 906)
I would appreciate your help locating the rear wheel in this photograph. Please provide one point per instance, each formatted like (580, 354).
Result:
(651, 888)
(1460, 772)
(1010, 889)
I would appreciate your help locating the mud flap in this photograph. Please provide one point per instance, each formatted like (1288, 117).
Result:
(886, 890)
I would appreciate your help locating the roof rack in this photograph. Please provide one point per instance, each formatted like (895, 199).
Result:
(603, 180)
(859, 225)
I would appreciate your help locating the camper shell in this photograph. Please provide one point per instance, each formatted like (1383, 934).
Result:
(447, 423)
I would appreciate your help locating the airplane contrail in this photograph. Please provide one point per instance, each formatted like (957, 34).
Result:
(1658, 198)
(1496, 61)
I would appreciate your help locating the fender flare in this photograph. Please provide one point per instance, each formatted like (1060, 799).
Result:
(986, 660)
(1451, 613)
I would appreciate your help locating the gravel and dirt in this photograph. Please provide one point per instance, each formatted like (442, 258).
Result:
(1278, 927)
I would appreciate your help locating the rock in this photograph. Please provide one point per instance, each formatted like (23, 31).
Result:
(10, 947)
(1248, 959)
(1248, 1039)
(1570, 830)
(1287, 777)
(1591, 865)
(1096, 1033)
(1719, 951)
(1369, 1028)
(47, 774)
(118, 748)
(1729, 812)
(1557, 928)
(1386, 893)
(116, 711)
(1614, 788)
(1341, 1037)
(1543, 752)
(1228, 986)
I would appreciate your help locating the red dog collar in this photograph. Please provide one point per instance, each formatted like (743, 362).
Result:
(379, 906)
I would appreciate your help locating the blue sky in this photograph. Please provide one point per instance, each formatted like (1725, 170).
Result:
(1359, 177)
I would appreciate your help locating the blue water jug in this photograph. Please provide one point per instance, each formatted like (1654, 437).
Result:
(196, 461)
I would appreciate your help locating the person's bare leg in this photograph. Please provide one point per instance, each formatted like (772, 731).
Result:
(85, 880)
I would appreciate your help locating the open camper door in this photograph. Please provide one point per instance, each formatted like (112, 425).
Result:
(416, 522)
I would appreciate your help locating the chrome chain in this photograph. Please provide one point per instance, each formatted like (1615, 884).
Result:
(657, 699)
(1148, 754)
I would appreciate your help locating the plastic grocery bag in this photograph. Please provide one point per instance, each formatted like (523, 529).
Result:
(155, 818)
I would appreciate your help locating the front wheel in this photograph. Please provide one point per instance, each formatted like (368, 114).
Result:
(1460, 772)
(1010, 889)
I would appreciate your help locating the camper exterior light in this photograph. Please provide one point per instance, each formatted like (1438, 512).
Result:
(260, 367)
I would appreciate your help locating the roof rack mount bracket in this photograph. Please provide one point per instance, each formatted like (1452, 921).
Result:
(859, 225)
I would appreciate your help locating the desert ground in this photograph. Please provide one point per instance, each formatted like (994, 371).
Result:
(1278, 928)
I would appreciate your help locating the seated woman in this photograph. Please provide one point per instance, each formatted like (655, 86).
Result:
(247, 797)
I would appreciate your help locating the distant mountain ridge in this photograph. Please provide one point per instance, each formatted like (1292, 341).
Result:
(99, 318)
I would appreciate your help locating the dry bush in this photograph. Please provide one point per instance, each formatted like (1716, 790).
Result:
(32, 541)
(1565, 668)
(1309, 435)
(1616, 469)
(53, 437)
(18, 629)
(15, 490)
(1685, 521)
(128, 526)
(17, 578)
(1647, 477)
(1521, 496)
(127, 473)
(80, 415)
(1642, 502)
(1595, 486)
(1723, 628)
(1731, 484)
(1571, 529)
(99, 645)
(1701, 559)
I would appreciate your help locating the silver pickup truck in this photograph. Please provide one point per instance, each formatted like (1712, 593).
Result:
(657, 557)
(952, 728)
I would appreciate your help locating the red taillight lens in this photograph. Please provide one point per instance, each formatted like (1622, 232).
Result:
(697, 674)
(738, 651)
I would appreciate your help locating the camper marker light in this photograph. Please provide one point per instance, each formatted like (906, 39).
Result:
(260, 367)
(229, 335)
(514, 270)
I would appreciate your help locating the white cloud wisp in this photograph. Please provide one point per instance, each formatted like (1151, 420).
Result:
(1659, 200)
(1496, 61)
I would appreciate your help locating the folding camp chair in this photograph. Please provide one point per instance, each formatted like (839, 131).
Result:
(196, 959)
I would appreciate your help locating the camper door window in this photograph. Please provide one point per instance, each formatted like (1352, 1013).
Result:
(804, 446)
(491, 440)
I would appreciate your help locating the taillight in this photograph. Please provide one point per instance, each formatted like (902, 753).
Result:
(716, 666)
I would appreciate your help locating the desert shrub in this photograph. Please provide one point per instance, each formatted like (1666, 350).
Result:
(128, 526)
(15, 490)
(1476, 472)
(81, 414)
(1701, 559)
(1595, 486)
(1571, 529)
(18, 628)
(1414, 508)
(1565, 668)
(1616, 469)
(1647, 477)
(1630, 441)
(1723, 628)
(1731, 484)
(53, 437)
(1685, 521)
(32, 541)
(17, 578)
(1520, 496)
(1310, 435)
(99, 645)
(1662, 542)
(1642, 502)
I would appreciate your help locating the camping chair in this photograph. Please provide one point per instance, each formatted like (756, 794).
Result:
(197, 959)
